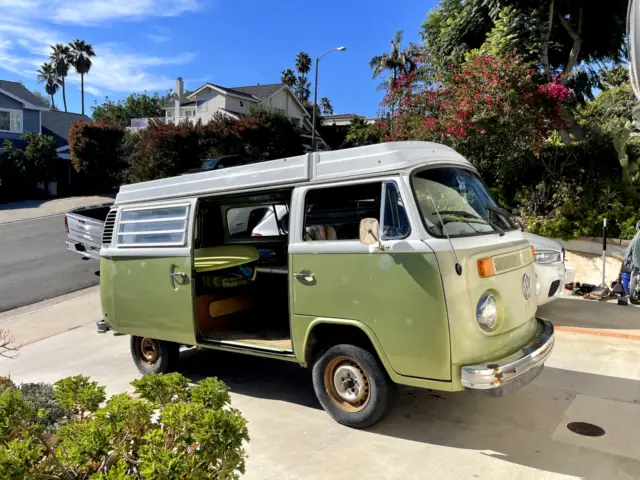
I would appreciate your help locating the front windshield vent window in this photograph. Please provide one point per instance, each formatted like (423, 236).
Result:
(455, 202)
(153, 226)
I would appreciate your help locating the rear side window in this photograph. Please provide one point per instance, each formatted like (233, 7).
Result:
(156, 226)
(258, 221)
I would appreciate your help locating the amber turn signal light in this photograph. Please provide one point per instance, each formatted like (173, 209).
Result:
(486, 268)
(533, 252)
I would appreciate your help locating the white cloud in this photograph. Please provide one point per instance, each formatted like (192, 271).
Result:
(155, 38)
(91, 12)
(25, 46)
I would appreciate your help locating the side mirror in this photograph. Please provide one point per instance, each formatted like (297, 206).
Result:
(369, 228)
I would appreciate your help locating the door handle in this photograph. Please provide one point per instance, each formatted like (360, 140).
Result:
(306, 276)
(178, 274)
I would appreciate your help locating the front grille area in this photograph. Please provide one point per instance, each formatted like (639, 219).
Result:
(554, 288)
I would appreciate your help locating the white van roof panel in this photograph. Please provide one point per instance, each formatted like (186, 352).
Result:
(356, 162)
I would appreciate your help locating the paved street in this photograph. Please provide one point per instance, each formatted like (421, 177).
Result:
(34, 264)
(428, 435)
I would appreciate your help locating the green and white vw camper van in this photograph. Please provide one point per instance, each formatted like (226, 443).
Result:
(373, 266)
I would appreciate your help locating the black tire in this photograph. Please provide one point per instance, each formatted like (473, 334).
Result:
(165, 357)
(364, 413)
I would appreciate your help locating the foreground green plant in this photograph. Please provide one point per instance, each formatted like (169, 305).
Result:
(173, 430)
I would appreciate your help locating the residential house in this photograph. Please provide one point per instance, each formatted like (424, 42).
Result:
(21, 111)
(210, 99)
(335, 128)
(343, 119)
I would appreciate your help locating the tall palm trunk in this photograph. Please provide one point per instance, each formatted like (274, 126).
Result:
(64, 95)
(53, 102)
(82, 90)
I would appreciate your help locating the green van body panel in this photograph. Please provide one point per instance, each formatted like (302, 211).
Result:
(516, 315)
(140, 298)
(399, 297)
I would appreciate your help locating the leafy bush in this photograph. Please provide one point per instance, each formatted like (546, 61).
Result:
(22, 169)
(164, 150)
(41, 398)
(173, 430)
(495, 110)
(97, 155)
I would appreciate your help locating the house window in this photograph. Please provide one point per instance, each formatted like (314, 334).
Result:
(189, 113)
(10, 120)
(156, 226)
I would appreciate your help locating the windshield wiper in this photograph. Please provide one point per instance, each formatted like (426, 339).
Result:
(499, 211)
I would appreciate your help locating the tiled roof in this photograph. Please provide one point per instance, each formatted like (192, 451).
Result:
(339, 115)
(259, 91)
(57, 125)
(19, 90)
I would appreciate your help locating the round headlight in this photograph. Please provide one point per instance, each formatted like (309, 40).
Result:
(487, 311)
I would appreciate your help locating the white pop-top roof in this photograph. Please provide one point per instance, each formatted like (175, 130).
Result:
(317, 167)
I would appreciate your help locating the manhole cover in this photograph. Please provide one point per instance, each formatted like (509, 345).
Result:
(586, 429)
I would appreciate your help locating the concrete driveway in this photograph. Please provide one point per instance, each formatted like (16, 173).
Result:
(429, 435)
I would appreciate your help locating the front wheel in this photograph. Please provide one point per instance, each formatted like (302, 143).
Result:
(154, 356)
(352, 386)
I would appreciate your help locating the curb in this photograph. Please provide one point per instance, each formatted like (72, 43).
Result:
(599, 333)
(33, 218)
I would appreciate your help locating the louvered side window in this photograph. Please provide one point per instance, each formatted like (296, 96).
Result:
(109, 223)
(164, 226)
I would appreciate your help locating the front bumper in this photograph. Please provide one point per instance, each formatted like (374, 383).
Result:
(508, 374)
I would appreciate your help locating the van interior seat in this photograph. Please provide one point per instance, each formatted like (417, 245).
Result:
(322, 232)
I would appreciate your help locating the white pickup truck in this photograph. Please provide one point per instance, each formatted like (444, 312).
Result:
(84, 230)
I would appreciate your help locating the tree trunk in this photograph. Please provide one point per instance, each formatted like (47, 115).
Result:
(82, 90)
(571, 126)
(546, 36)
(53, 102)
(64, 96)
(577, 40)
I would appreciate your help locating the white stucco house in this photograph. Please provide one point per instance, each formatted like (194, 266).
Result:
(209, 99)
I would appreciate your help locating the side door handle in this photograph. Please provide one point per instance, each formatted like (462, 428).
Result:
(306, 276)
(178, 274)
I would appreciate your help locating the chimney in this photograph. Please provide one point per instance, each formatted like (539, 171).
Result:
(180, 88)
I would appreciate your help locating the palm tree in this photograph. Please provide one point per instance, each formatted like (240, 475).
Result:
(81, 53)
(61, 60)
(325, 105)
(302, 89)
(397, 61)
(303, 63)
(288, 77)
(47, 74)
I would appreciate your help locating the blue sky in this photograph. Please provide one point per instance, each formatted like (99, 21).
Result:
(145, 44)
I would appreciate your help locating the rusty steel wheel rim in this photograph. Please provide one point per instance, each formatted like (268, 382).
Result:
(149, 350)
(347, 384)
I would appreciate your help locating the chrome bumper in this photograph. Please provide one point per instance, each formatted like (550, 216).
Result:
(82, 250)
(508, 374)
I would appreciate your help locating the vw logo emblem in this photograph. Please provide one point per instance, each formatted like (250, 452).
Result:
(526, 286)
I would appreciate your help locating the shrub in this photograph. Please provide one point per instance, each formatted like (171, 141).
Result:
(164, 150)
(41, 398)
(495, 110)
(173, 431)
(97, 155)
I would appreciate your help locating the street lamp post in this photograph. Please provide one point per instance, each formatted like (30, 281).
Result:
(315, 94)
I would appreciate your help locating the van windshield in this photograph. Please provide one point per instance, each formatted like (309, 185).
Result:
(455, 201)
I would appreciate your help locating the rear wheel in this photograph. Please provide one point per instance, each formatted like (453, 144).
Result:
(352, 386)
(154, 356)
